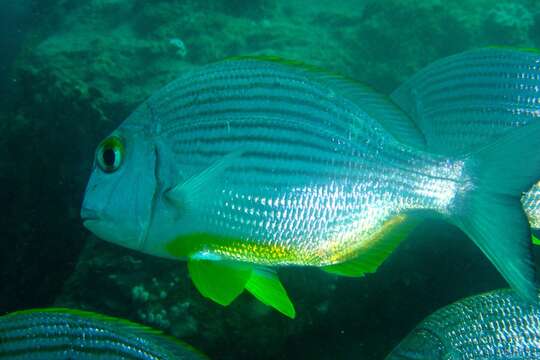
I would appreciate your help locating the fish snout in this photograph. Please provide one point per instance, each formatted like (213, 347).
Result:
(89, 214)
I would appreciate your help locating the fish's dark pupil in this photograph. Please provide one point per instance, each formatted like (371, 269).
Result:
(109, 157)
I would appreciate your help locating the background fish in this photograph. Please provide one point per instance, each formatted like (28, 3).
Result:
(252, 163)
(495, 325)
(73, 334)
(468, 100)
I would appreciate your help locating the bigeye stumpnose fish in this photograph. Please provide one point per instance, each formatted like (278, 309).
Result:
(60, 334)
(468, 100)
(497, 325)
(249, 164)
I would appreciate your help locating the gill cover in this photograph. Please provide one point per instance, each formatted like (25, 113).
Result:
(119, 197)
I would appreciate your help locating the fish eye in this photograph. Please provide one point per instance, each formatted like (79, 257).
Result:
(110, 154)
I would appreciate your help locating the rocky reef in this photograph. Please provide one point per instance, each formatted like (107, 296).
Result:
(87, 63)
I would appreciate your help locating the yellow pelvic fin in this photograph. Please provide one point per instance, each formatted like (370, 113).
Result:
(264, 284)
(375, 253)
(219, 281)
(223, 281)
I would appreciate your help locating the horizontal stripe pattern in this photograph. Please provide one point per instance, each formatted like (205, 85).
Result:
(461, 100)
(282, 149)
(61, 336)
(320, 111)
(480, 93)
(492, 325)
(242, 78)
(249, 89)
(315, 160)
(466, 101)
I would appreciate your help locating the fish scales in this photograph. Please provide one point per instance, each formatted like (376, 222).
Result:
(496, 325)
(181, 127)
(205, 117)
(455, 93)
(55, 336)
(249, 164)
(468, 100)
(244, 90)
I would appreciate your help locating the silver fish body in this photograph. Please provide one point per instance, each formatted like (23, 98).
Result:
(468, 100)
(59, 334)
(303, 169)
(261, 162)
(494, 326)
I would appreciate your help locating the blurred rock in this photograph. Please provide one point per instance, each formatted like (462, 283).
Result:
(509, 23)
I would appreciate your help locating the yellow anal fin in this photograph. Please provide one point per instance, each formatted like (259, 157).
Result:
(264, 284)
(219, 281)
(375, 253)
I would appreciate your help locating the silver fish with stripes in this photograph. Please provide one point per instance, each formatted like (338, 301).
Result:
(249, 164)
(496, 325)
(468, 100)
(60, 334)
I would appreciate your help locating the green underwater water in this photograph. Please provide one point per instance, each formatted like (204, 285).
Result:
(77, 68)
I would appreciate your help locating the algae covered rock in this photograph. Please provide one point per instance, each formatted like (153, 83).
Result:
(509, 23)
(159, 293)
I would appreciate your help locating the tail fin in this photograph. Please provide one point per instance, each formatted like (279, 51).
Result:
(491, 213)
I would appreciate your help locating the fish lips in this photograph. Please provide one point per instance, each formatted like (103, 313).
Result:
(90, 218)
(89, 214)
(110, 230)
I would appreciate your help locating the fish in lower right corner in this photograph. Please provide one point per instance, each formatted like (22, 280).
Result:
(492, 326)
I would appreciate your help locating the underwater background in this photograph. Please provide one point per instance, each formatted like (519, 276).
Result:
(72, 70)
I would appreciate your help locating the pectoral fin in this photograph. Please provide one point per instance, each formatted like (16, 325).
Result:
(185, 194)
(219, 281)
(535, 240)
(264, 284)
(373, 255)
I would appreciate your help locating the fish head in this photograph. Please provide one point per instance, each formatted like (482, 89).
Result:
(421, 344)
(119, 197)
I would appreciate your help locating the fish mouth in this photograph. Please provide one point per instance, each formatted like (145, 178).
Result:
(89, 215)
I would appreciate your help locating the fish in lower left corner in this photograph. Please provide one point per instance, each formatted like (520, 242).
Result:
(60, 334)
